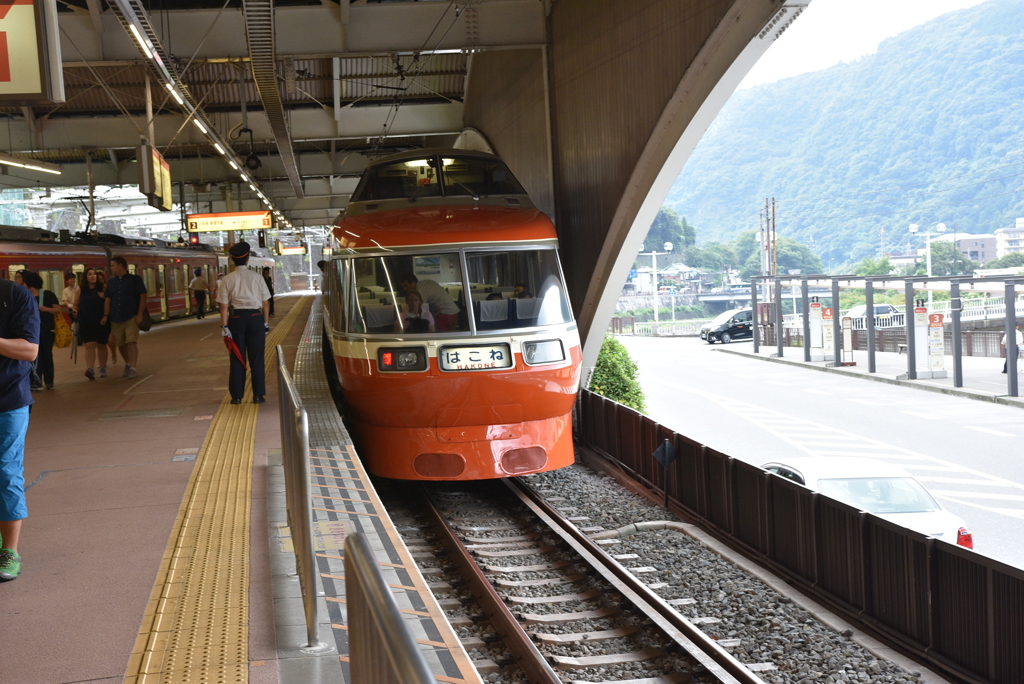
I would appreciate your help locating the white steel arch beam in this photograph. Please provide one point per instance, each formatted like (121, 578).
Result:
(747, 29)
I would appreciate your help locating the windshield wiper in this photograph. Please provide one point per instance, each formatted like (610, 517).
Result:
(469, 190)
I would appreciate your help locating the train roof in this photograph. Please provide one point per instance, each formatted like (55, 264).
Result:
(442, 225)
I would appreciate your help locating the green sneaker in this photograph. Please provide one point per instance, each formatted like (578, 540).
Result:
(10, 565)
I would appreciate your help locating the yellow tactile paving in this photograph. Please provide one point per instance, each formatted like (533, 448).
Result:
(195, 628)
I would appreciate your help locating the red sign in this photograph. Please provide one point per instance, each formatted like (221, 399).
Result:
(826, 313)
(920, 309)
(935, 320)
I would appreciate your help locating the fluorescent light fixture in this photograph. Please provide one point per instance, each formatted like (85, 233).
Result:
(174, 92)
(30, 164)
(253, 187)
(233, 165)
(216, 146)
(141, 41)
(200, 126)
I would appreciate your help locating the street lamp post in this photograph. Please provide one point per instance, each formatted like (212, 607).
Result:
(939, 229)
(654, 276)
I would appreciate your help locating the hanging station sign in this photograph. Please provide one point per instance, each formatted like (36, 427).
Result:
(30, 64)
(238, 220)
(155, 177)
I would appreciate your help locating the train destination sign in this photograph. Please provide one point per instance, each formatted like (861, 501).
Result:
(238, 220)
(485, 357)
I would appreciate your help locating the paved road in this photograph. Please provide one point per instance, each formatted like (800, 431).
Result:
(968, 453)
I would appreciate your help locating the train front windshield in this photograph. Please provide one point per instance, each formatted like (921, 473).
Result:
(429, 293)
(421, 178)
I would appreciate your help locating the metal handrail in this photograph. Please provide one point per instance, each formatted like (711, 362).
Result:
(295, 459)
(381, 648)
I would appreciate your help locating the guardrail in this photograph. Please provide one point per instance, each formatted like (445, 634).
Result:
(381, 649)
(295, 459)
(952, 607)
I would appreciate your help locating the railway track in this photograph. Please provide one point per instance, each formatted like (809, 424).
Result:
(535, 599)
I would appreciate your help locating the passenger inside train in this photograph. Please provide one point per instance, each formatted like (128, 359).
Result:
(416, 317)
(500, 296)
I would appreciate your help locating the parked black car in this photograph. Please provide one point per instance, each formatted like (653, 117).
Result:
(729, 326)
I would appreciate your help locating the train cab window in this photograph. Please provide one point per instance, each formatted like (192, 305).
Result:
(478, 177)
(379, 304)
(517, 289)
(409, 179)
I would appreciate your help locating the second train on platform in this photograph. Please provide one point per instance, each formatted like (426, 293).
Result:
(447, 311)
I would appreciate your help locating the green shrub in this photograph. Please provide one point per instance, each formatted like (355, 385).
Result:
(615, 376)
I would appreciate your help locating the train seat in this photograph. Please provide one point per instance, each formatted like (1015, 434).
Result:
(492, 315)
(380, 318)
(525, 312)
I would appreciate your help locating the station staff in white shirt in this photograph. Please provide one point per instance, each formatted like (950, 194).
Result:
(246, 293)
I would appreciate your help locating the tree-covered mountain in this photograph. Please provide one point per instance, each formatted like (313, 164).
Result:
(928, 129)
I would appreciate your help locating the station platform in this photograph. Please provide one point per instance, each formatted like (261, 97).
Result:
(983, 379)
(156, 548)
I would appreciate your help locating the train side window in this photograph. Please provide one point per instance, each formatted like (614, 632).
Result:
(13, 269)
(174, 286)
(339, 292)
(53, 281)
(356, 307)
(530, 278)
(149, 278)
(133, 269)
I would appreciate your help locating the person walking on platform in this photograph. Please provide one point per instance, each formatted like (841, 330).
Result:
(48, 306)
(70, 293)
(199, 289)
(101, 280)
(88, 311)
(247, 294)
(123, 307)
(19, 344)
(268, 276)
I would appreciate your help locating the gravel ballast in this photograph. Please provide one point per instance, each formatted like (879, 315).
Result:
(771, 628)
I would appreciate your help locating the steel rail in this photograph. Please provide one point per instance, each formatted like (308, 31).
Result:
(530, 659)
(699, 646)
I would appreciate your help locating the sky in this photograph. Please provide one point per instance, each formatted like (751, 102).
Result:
(833, 31)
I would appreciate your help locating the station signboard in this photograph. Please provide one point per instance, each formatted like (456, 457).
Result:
(154, 177)
(30, 64)
(297, 249)
(237, 220)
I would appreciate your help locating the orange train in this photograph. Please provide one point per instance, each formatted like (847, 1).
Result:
(166, 268)
(446, 307)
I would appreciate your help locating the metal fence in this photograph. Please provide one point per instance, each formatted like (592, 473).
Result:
(628, 325)
(295, 459)
(381, 648)
(973, 342)
(954, 608)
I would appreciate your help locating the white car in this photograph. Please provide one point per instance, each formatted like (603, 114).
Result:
(879, 488)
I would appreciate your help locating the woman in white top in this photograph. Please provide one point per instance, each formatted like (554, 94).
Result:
(416, 317)
(70, 293)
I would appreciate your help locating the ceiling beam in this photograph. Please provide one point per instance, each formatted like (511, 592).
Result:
(259, 33)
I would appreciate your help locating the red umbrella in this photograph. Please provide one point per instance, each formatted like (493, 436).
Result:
(233, 349)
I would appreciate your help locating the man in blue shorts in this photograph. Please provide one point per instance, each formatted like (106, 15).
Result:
(19, 344)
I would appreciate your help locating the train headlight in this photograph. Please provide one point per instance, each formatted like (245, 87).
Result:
(402, 359)
(548, 351)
